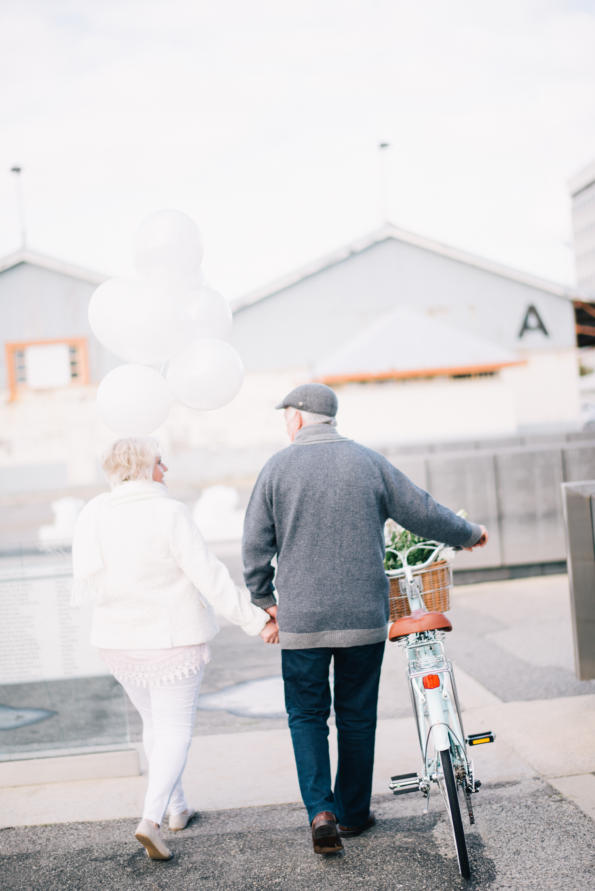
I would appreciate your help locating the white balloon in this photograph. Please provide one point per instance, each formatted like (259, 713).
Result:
(139, 321)
(133, 400)
(104, 309)
(210, 313)
(206, 375)
(168, 248)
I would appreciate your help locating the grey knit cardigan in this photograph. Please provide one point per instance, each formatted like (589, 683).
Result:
(319, 506)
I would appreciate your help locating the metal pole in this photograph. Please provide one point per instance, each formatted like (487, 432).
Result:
(20, 204)
(383, 148)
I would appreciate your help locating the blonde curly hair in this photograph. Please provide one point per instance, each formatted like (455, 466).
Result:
(132, 458)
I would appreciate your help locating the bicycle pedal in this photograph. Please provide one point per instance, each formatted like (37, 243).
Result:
(478, 739)
(403, 783)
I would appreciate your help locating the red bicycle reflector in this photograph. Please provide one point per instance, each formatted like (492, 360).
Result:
(431, 681)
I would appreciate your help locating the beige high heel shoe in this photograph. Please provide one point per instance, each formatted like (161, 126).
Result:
(150, 837)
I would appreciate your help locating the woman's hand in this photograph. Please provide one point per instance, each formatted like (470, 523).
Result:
(270, 632)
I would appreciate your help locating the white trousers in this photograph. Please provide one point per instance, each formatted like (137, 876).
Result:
(168, 713)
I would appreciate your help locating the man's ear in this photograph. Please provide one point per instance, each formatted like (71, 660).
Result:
(299, 419)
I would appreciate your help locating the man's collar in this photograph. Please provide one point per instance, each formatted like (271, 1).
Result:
(318, 433)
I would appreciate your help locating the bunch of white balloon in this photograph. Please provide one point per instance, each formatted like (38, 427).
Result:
(171, 329)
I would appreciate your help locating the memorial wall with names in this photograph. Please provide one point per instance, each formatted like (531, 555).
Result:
(43, 637)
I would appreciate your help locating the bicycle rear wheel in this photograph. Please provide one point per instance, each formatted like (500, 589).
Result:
(454, 813)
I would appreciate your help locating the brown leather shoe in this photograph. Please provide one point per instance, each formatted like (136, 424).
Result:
(350, 831)
(325, 836)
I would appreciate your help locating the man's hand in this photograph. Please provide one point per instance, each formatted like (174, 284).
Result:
(481, 541)
(270, 632)
(272, 610)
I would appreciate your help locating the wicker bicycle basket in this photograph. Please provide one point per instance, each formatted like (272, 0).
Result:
(436, 582)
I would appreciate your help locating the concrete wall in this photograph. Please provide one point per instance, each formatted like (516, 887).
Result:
(515, 490)
(511, 483)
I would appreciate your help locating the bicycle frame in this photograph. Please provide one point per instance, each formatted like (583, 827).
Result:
(436, 709)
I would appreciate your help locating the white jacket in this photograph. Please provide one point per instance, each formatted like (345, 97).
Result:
(154, 581)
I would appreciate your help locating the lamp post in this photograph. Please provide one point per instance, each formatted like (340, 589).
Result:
(20, 204)
(383, 149)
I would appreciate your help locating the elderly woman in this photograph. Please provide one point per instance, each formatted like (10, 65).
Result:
(155, 586)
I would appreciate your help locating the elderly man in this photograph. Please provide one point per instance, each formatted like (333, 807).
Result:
(319, 506)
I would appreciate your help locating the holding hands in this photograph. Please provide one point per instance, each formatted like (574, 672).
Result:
(270, 632)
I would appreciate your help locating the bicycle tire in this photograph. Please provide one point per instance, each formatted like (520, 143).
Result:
(454, 813)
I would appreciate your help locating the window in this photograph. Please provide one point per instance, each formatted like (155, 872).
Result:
(46, 364)
(473, 374)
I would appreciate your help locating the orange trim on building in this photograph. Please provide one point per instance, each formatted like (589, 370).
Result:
(393, 374)
(14, 346)
(11, 378)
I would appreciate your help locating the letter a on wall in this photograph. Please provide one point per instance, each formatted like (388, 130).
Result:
(532, 321)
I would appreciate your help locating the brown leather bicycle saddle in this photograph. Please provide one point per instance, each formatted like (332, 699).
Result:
(419, 620)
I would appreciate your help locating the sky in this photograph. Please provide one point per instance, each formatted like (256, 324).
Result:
(262, 120)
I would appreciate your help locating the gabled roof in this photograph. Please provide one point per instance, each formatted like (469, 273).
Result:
(582, 180)
(406, 344)
(386, 233)
(24, 255)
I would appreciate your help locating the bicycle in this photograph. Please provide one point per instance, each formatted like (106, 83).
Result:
(419, 627)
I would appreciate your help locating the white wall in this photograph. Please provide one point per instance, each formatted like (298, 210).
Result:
(399, 412)
(545, 391)
(60, 434)
(52, 430)
(62, 428)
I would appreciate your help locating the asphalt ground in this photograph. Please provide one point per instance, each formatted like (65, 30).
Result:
(526, 836)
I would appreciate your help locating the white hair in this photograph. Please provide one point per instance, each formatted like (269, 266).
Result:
(130, 459)
(310, 417)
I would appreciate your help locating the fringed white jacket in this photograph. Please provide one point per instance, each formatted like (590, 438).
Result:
(153, 581)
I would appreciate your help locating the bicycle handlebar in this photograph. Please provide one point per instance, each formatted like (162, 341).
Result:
(436, 547)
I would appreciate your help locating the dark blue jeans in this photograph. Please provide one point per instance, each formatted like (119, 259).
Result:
(355, 699)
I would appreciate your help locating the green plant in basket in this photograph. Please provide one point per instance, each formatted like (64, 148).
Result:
(400, 540)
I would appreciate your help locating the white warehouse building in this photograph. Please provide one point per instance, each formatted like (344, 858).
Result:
(422, 341)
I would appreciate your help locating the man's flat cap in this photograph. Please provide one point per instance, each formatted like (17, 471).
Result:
(317, 398)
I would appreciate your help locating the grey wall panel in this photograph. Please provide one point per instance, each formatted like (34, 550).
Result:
(578, 462)
(529, 504)
(469, 482)
(503, 442)
(579, 526)
(497, 444)
(413, 467)
(581, 436)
